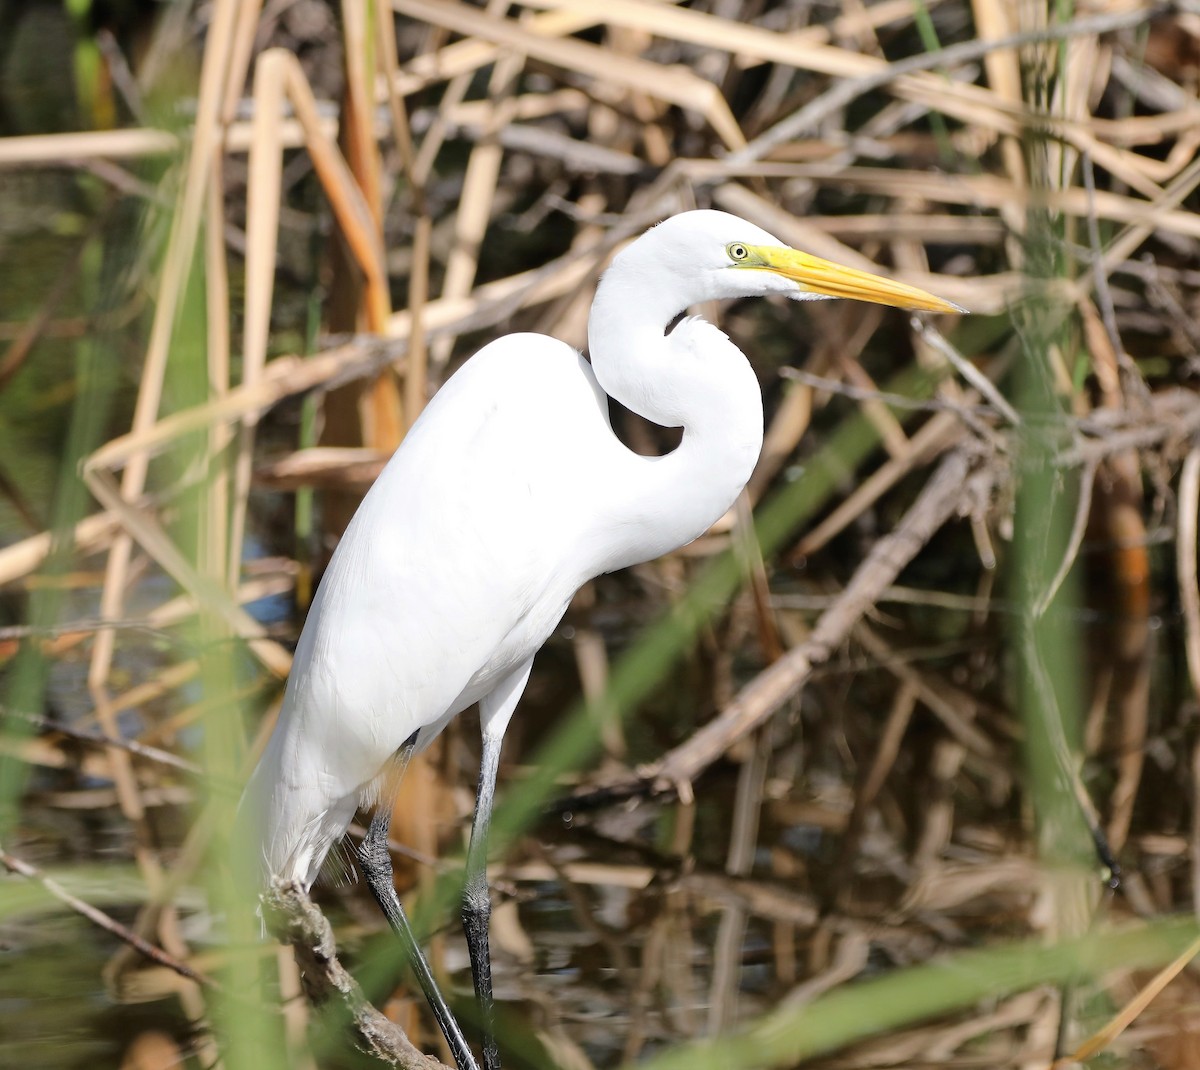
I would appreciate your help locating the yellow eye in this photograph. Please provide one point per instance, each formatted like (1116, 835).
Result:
(737, 251)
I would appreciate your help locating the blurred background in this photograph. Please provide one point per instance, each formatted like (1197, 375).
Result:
(848, 780)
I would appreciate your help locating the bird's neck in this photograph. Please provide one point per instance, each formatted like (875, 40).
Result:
(693, 378)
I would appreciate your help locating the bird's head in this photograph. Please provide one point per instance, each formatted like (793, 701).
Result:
(714, 254)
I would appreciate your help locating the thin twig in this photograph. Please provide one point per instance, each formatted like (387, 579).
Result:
(1083, 510)
(98, 918)
(966, 369)
(896, 401)
(100, 739)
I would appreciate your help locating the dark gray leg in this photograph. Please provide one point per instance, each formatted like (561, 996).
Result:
(375, 860)
(477, 904)
(495, 710)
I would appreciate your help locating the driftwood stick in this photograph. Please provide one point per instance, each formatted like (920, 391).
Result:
(294, 919)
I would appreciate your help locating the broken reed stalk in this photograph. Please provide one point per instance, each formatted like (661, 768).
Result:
(294, 919)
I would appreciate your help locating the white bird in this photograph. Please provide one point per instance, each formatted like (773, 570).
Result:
(507, 495)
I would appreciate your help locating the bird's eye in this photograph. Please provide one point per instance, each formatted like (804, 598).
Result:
(737, 251)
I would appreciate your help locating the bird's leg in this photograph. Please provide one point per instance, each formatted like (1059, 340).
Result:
(477, 904)
(375, 860)
(495, 709)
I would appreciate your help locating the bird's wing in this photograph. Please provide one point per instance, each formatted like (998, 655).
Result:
(456, 567)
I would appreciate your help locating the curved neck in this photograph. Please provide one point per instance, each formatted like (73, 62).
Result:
(693, 378)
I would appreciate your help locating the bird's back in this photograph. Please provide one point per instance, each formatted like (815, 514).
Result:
(453, 571)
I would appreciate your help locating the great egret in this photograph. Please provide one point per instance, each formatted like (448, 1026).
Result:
(507, 495)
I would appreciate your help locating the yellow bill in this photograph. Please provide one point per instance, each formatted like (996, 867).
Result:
(824, 277)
